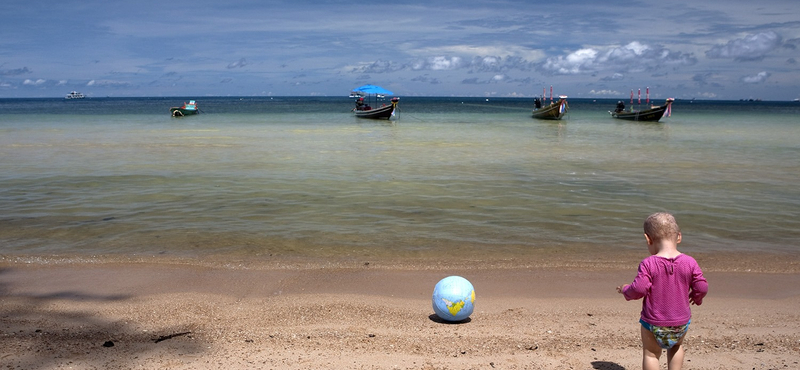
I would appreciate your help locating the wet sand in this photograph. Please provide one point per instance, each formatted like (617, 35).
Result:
(299, 314)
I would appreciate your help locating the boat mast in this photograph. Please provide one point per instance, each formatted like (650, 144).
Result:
(631, 107)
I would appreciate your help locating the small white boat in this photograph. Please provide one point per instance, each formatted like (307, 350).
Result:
(75, 95)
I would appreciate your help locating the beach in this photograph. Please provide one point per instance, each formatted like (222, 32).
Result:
(286, 234)
(559, 313)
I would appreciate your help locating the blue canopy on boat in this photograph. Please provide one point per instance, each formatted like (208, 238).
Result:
(372, 89)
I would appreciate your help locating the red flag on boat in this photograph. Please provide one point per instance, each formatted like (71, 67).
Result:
(631, 96)
(648, 95)
(551, 93)
(640, 96)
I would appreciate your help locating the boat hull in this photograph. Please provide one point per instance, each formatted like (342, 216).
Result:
(647, 115)
(552, 112)
(384, 112)
(181, 112)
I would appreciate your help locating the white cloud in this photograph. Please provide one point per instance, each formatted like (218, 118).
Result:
(614, 77)
(580, 61)
(443, 63)
(759, 77)
(633, 57)
(605, 92)
(108, 83)
(750, 47)
(505, 50)
(34, 83)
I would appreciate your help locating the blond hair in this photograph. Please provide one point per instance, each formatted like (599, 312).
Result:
(661, 226)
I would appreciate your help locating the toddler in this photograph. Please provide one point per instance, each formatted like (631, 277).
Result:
(668, 281)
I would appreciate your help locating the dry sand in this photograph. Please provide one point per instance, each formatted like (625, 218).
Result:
(167, 314)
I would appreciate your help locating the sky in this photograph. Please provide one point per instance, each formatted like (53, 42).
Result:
(685, 49)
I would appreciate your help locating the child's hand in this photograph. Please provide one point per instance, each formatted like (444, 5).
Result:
(621, 288)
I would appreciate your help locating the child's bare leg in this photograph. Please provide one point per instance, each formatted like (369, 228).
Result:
(675, 355)
(651, 351)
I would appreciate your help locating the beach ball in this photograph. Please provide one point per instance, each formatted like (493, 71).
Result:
(453, 298)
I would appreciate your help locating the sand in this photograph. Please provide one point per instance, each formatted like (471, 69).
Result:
(290, 314)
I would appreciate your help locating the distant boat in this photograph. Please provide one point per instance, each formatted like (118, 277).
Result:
(75, 95)
(363, 108)
(554, 111)
(652, 115)
(186, 109)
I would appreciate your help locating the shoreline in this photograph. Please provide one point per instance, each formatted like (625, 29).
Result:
(597, 259)
(375, 314)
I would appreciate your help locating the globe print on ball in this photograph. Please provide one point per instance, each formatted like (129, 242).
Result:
(453, 298)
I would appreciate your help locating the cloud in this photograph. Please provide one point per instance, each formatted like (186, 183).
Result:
(577, 62)
(708, 95)
(705, 79)
(489, 63)
(605, 92)
(472, 81)
(34, 83)
(633, 57)
(748, 48)
(15, 72)
(438, 63)
(613, 77)
(491, 80)
(238, 64)
(426, 79)
(499, 64)
(378, 66)
(108, 83)
(759, 77)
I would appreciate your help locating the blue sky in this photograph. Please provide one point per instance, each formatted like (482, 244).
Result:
(710, 49)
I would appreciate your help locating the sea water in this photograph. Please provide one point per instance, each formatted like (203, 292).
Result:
(299, 176)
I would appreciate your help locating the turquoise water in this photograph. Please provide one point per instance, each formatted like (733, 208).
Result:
(302, 176)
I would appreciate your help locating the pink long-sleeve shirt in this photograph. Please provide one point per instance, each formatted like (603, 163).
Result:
(666, 284)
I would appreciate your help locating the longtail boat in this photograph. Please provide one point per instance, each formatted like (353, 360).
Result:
(383, 112)
(363, 109)
(186, 109)
(554, 111)
(653, 114)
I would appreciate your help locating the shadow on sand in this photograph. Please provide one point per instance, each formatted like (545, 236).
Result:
(45, 331)
(435, 318)
(605, 365)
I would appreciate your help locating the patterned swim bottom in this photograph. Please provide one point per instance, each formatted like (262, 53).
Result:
(666, 336)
